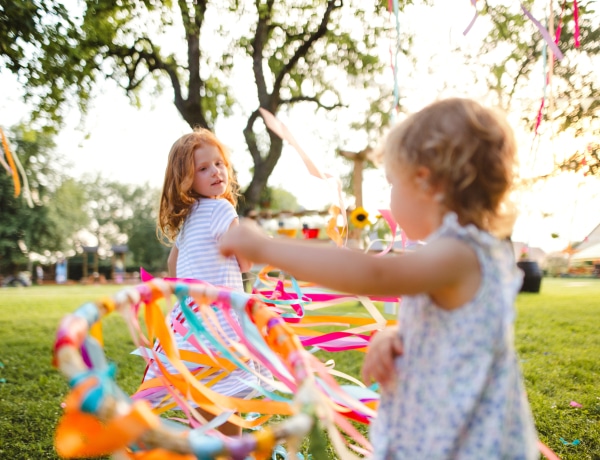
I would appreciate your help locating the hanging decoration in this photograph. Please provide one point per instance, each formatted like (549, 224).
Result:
(393, 7)
(13, 167)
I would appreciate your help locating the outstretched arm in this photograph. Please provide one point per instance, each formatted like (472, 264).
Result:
(438, 266)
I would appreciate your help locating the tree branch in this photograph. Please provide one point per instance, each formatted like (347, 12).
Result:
(314, 99)
(258, 45)
(305, 47)
(251, 139)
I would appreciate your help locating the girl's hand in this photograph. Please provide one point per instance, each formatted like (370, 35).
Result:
(379, 362)
(243, 241)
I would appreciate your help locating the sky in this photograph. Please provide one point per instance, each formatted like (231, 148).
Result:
(131, 145)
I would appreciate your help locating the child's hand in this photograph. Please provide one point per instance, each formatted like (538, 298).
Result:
(379, 362)
(243, 241)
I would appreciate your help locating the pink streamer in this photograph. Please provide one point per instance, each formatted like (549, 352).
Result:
(322, 297)
(576, 19)
(466, 31)
(285, 134)
(387, 215)
(560, 23)
(539, 116)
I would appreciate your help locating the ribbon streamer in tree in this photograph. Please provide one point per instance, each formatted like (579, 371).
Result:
(474, 4)
(285, 134)
(14, 167)
(545, 34)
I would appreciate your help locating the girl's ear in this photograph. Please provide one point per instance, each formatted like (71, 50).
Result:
(423, 181)
(422, 178)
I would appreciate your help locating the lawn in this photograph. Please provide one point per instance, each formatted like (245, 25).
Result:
(556, 335)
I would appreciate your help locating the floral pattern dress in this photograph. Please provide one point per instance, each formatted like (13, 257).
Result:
(459, 390)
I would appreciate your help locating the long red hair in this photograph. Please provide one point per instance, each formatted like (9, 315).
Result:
(177, 196)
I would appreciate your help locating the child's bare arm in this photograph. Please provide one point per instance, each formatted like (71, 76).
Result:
(441, 265)
(244, 263)
(384, 347)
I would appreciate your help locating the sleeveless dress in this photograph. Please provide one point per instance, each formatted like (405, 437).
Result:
(459, 392)
(199, 258)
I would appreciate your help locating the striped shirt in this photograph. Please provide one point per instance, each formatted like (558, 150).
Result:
(199, 258)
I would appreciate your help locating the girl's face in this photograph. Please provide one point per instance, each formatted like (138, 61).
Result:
(411, 201)
(210, 172)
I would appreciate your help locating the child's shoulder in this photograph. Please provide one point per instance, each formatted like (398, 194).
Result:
(217, 210)
(470, 234)
(216, 204)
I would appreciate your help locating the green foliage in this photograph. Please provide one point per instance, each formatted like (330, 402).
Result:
(144, 245)
(295, 52)
(278, 199)
(66, 208)
(47, 225)
(116, 213)
(126, 213)
(15, 217)
(516, 51)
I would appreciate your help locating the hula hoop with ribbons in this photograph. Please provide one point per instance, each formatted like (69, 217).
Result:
(101, 419)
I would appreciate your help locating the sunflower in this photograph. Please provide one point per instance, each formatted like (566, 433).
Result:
(359, 217)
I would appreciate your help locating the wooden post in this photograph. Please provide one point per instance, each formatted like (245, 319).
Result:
(359, 159)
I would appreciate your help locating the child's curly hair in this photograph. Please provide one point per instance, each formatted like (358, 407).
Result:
(470, 152)
(177, 194)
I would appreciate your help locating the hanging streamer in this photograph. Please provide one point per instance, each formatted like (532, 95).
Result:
(15, 167)
(549, 65)
(393, 7)
(11, 163)
(576, 19)
(474, 4)
(557, 52)
(284, 133)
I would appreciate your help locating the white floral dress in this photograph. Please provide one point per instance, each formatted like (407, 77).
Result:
(459, 392)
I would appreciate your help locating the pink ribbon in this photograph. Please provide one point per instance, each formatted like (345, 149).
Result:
(466, 31)
(576, 19)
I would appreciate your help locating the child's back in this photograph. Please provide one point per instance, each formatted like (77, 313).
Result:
(458, 391)
(199, 256)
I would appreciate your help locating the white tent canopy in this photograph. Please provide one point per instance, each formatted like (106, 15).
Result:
(589, 253)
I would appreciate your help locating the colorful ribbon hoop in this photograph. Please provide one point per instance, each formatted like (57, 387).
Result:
(100, 418)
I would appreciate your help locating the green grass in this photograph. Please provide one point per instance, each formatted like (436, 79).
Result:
(556, 335)
(559, 345)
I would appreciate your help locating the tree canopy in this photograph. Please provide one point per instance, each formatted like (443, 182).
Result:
(287, 53)
(294, 52)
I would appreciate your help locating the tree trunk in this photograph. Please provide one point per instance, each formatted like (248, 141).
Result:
(263, 167)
